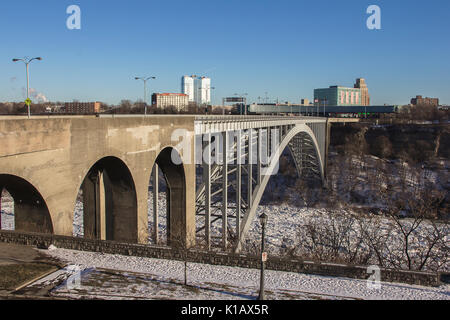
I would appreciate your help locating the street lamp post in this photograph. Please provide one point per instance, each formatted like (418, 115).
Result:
(145, 89)
(263, 219)
(27, 61)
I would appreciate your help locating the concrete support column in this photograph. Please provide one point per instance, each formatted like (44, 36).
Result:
(155, 194)
(94, 206)
(98, 217)
(101, 201)
(89, 207)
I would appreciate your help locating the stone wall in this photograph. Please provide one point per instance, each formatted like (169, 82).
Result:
(216, 258)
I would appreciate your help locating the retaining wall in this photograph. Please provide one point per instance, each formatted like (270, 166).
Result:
(217, 258)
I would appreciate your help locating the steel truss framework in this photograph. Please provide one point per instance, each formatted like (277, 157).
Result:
(239, 156)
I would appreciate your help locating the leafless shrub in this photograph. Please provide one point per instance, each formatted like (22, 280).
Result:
(331, 236)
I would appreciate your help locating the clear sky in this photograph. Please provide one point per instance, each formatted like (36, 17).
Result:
(284, 48)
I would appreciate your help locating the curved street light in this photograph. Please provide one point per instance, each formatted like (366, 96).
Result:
(27, 61)
(145, 88)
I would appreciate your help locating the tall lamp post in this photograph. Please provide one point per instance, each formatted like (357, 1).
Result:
(145, 89)
(27, 61)
(263, 219)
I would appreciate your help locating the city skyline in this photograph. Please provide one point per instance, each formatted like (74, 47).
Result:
(305, 46)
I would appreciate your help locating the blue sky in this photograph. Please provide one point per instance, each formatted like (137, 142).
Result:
(284, 48)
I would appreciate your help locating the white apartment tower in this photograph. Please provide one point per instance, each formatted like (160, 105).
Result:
(188, 88)
(198, 89)
(203, 90)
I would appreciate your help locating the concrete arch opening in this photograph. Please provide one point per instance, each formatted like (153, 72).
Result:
(106, 207)
(168, 163)
(26, 205)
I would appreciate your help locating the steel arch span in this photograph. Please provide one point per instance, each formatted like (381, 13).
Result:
(226, 177)
(303, 132)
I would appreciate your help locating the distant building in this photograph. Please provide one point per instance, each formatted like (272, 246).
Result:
(343, 96)
(82, 107)
(305, 102)
(365, 97)
(163, 100)
(198, 89)
(187, 87)
(202, 90)
(337, 96)
(420, 101)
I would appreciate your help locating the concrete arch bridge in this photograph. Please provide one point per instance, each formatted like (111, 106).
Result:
(46, 161)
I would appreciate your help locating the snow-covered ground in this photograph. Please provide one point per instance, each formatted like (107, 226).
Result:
(146, 278)
(282, 227)
(282, 232)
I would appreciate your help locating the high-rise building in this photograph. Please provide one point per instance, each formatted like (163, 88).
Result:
(202, 90)
(365, 97)
(188, 88)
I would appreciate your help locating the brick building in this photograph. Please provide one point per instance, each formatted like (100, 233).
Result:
(163, 100)
(419, 100)
(82, 107)
(365, 97)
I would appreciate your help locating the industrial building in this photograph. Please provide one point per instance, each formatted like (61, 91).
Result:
(322, 111)
(163, 100)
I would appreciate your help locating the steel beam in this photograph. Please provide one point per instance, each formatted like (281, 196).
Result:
(238, 183)
(224, 189)
(250, 166)
(207, 179)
